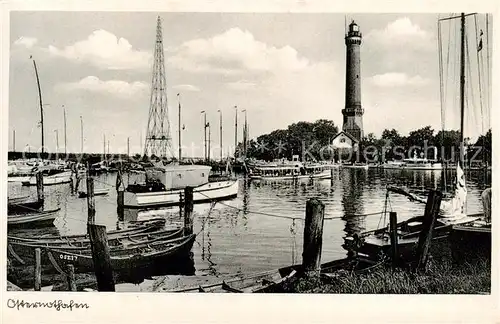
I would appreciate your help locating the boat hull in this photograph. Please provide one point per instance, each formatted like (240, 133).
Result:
(60, 178)
(469, 243)
(426, 166)
(322, 175)
(205, 193)
(25, 250)
(348, 166)
(33, 220)
(14, 178)
(126, 261)
(377, 244)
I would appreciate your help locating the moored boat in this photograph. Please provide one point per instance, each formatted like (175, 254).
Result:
(53, 179)
(376, 244)
(133, 228)
(24, 251)
(33, 220)
(414, 163)
(23, 204)
(277, 280)
(290, 171)
(126, 260)
(165, 185)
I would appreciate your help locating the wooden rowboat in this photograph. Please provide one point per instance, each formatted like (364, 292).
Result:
(24, 252)
(377, 244)
(276, 281)
(33, 220)
(128, 259)
(23, 204)
(134, 228)
(125, 239)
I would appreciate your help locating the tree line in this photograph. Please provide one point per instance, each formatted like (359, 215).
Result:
(312, 141)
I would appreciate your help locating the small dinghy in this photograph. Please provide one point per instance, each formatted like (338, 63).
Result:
(33, 220)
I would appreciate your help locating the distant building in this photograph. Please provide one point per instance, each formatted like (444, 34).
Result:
(344, 141)
(353, 112)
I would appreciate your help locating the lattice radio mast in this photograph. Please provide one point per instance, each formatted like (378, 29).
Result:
(158, 139)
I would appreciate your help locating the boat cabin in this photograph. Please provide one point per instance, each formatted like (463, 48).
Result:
(178, 176)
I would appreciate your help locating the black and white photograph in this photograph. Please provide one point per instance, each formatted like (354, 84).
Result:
(257, 152)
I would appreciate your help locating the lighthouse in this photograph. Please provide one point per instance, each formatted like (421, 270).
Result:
(353, 112)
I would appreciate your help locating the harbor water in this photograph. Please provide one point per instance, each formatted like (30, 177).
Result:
(262, 228)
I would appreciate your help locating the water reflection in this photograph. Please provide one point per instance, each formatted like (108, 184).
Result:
(352, 200)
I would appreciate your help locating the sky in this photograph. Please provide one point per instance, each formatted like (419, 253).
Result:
(280, 67)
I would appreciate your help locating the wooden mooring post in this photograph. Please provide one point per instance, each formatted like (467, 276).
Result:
(38, 269)
(313, 237)
(71, 278)
(39, 186)
(120, 195)
(393, 221)
(188, 210)
(424, 241)
(101, 257)
(90, 199)
(99, 243)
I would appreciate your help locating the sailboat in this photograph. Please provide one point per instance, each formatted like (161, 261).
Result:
(470, 238)
(452, 218)
(53, 174)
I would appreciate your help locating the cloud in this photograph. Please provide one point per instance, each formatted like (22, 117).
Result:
(105, 50)
(235, 51)
(399, 33)
(27, 42)
(117, 88)
(240, 85)
(186, 87)
(395, 79)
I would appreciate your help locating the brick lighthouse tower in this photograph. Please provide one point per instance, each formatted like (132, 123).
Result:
(353, 113)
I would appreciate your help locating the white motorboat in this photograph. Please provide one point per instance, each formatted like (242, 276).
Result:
(164, 186)
(53, 179)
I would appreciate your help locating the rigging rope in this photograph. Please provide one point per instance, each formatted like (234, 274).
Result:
(479, 63)
(488, 68)
(441, 81)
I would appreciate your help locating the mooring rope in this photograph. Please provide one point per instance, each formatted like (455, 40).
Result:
(288, 217)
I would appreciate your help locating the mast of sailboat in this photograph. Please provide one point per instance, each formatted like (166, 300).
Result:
(14, 141)
(220, 132)
(180, 140)
(41, 105)
(235, 131)
(65, 143)
(462, 87)
(441, 94)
